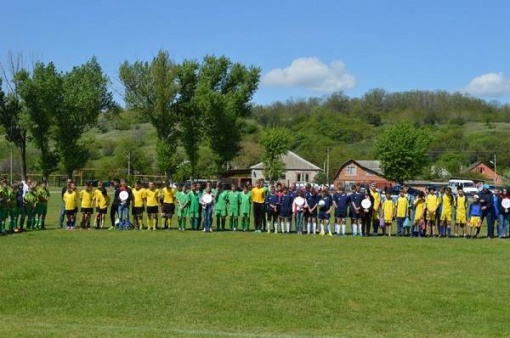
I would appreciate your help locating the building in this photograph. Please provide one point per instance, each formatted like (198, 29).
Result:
(297, 170)
(485, 171)
(362, 172)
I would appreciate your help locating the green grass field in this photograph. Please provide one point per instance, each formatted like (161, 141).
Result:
(58, 283)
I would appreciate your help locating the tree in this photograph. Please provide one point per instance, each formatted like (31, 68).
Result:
(151, 89)
(223, 95)
(275, 143)
(42, 94)
(84, 96)
(402, 150)
(12, 111)
(190, 116)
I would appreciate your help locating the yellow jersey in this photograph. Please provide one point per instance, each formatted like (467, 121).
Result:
(432, 202)
(419, 208)
(70, 200)
(461, 204)
(258, 195)
(100, 200)
(86, 199)
(388, 210)
(377, 199)
(402, 205)
(138, 197)
(152, 197)
(169, 195)
(447, 201)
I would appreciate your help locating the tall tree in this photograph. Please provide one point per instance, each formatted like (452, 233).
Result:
(42, 94)
(84, 96)
(275, 143)
(151, 89)
(223, 96)
(403, 151)
(190, 116)
(12, 111)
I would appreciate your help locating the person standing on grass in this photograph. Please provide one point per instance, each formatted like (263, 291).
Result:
(273, 213)
(62, 209)
(182, 207)
(388, 210)
(152, 196)
(311, 220)
(12, 207)
(504, 214)
(402, 212)
(138, 205)
(220, 207)
(431, 203)
(168, 207)
(70, 199)
(447, 206)
(495, 197)
(115, 203)
(233, 200)
(475, 217)
(341, 202)
(207, 207)
(367, 214)
(299, 206)
(194, 203)
(285, 210)
(245, 208)
(376, 208)
(487, 202)
(86, 197)
(461, 208)
(41, 210)
(123, 204)
(325, 207)
(258, 196)
(20, 206)
(418, 229)
(100, 200)
(355, 209)
(30, 206)
(4, 205)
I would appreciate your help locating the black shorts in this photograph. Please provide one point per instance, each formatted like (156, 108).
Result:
(136, 211)
(153, 210)
(71, 212)
(341, 214)
(87, 210)
(168, 208)
(102, 211)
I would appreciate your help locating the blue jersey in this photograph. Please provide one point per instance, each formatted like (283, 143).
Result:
(342, 202)
(271, 199)
(328, 202)
(286, 205)
(475, 209)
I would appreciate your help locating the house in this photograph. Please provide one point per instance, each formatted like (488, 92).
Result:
(362, 172)
(485, 171)
(297, 170)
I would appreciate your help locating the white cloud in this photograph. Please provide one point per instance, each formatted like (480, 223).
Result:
(490, 84)
(311, 73)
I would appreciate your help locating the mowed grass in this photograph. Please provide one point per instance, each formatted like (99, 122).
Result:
(57, 283)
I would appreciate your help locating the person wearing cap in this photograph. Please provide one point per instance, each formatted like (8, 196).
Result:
(138, 201)
(487, 202)
(475, 217)
(41, 210)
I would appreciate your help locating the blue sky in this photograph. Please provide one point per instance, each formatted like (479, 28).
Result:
(304, 48)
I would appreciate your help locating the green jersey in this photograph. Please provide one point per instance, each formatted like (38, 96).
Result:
(233, 198)
(221, 202)
(43, 195)
(245, 202)
(194, 201)
(30, 199)
(4, 197)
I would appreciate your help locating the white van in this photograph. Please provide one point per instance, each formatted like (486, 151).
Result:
(468, 186)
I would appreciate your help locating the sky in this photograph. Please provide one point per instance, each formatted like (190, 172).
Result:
(303, 48)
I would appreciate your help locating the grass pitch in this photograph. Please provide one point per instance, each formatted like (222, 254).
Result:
(57, 283)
